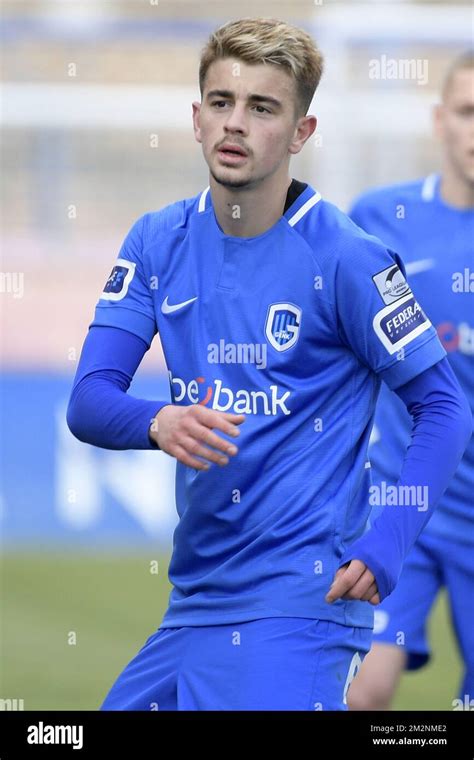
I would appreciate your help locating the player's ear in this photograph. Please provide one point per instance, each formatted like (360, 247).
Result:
(304, 128)
(196, 120)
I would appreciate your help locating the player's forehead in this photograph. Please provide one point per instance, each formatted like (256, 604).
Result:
(461, 87)
(244, 80)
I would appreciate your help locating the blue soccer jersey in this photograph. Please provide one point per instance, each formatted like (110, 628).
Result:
(436, 243)
(294, 329)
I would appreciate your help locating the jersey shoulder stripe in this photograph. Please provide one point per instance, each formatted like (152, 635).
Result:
(417, 191)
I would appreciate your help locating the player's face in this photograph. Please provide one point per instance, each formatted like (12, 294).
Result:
(252, 107)
(455, 124)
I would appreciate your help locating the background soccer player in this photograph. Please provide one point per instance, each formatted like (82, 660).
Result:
(431, 224)
(258, 261)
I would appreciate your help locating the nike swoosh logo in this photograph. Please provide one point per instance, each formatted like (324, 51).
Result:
(413, 267)
(168, 308)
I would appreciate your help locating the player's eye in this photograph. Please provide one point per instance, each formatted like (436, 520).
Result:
(263, 109)
(218, 103)
(466, 111)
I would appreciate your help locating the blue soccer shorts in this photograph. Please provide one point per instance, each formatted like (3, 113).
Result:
(265, 664)
(401, 619)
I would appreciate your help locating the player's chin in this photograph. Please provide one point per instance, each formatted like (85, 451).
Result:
(231, 176)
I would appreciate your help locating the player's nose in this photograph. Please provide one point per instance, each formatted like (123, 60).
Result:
(237, 119)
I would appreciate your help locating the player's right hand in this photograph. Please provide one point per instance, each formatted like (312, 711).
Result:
(354, 580)
(186, 432)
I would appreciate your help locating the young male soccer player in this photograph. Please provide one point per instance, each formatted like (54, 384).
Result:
(431, 224)
(272, 327)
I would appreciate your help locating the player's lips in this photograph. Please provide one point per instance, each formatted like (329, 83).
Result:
(233, 148)
(231, 153)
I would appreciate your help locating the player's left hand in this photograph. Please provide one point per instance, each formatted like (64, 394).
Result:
(354, 581)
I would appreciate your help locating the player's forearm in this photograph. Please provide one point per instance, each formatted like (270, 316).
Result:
(100, 410)
(441, 431)
(102, 414)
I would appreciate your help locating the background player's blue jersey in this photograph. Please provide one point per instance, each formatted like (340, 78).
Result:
(291, 328)
(436, 243)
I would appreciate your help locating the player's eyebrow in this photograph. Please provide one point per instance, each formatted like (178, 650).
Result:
(254, 97)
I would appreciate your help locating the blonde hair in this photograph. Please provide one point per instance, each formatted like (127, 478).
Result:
(268, 40)
(464, 61)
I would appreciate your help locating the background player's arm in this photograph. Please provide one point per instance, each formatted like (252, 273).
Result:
(441, 431)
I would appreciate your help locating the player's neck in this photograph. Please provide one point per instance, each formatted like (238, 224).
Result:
(247, 212)
(454, 191)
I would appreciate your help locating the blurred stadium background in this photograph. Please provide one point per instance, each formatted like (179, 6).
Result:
(96, 126)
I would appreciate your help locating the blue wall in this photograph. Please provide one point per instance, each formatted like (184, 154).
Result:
(56, 490)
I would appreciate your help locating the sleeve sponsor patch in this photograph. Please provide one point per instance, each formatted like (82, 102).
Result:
(399, 324)
(391, 284)
(119, 279)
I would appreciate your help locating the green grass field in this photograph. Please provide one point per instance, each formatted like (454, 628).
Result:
(110, 604)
